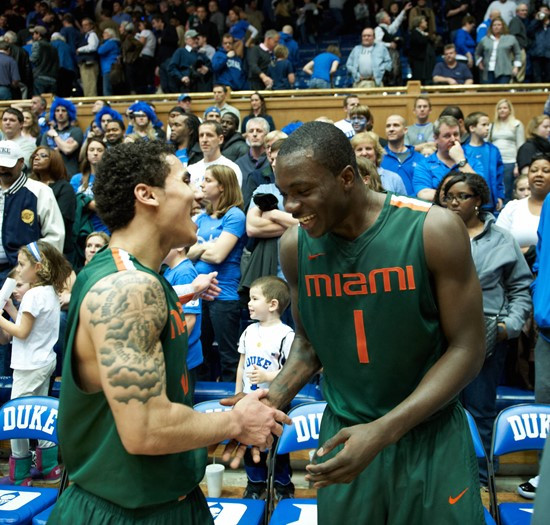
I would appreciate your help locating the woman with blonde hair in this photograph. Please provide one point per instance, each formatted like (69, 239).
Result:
(538, 132)
(221, 240)
(366, 144)
(369, 174)
(498, 55)
(508, 135)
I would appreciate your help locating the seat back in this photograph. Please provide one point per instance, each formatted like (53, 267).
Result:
(304, 431)
(33, 417)
(520, 427)
(481, 454)
(476, 438)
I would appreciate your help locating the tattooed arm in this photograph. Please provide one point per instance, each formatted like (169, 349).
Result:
(122, 318)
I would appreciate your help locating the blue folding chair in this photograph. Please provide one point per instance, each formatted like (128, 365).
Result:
(519, 428)
(480, 454)
(231, 511)
(303, 434)
(27, 418)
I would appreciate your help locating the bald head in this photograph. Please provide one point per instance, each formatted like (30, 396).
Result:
(396, 127)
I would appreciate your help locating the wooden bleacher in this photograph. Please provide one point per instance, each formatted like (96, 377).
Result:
(308, 104)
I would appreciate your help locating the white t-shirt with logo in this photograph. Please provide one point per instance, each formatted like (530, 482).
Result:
(36, 351)
(266, 347)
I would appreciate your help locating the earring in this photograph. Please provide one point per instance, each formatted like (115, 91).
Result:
(477, 210)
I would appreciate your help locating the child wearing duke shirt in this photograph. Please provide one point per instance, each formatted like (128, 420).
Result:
(264, 347)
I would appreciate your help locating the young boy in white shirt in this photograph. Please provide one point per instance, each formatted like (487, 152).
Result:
(264, 347)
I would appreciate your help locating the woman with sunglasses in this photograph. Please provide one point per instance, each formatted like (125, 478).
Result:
(504, 277)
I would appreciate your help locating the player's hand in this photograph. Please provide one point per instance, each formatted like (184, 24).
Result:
(205, 285)
(361, 445)
(258, 422)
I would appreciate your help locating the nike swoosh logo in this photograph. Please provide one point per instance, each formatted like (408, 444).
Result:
(452, 500)
(314, 256)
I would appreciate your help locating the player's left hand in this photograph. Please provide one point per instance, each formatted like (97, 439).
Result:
(361, 445)
(206, 286)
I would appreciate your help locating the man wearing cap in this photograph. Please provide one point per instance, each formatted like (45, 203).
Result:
(45, 62)
(220, 95)
(184, 102)
(184, 59)
(9, 72)
(213, 113)
(28, 209)
(63, 136)
(210, 141)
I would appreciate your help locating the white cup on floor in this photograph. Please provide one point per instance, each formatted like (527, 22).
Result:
(214, 479)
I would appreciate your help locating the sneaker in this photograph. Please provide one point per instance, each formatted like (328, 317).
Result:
(529, 488)
(284, 492)
(255, 491)
(53, 477)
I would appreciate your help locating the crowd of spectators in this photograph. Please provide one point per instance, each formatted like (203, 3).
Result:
(48, 164)
(79, 47)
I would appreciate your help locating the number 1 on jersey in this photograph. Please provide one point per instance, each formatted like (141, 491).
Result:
(360, 336)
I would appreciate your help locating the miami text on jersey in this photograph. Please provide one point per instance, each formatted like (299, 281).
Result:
(339, 284)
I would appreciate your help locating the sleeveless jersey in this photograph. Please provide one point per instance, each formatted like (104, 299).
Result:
(91, 447)
(367, 307)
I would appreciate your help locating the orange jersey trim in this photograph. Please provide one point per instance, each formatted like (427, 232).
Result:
(413, 204)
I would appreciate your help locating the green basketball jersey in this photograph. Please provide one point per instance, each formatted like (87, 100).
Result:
(91, 447)
(368, 309)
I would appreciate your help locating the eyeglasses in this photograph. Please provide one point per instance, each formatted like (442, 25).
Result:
(460, 197)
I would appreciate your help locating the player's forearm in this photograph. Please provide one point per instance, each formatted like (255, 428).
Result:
(301, 365)
(168, 428)
(452, 372)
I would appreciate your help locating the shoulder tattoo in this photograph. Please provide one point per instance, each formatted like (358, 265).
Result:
(131, 309)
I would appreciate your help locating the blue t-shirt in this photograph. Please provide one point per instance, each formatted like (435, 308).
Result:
(184, 273)
(322, 64)
(279, 72)
(181, 154)
(460, 73)
(229, 271)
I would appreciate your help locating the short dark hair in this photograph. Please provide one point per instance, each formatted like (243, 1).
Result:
(473, 119)
(216, 125)
(232, 116)
(224, 87)
(329, 146)
(452, 111)
(117, 121)
(14, 111)
(274, 288)
(133, 163)
(476, 182)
